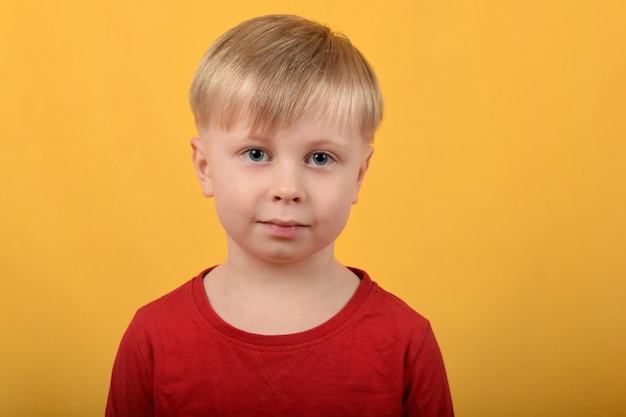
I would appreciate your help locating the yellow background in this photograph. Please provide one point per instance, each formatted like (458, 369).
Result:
(495, 204)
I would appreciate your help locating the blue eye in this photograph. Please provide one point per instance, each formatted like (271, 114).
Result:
(255, 155)
(320, 159)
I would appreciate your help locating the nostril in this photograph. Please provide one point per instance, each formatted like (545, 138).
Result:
(278, 198)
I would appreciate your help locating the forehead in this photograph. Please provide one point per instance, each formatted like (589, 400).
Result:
(320, 124)
(328, 113)
(317, 129)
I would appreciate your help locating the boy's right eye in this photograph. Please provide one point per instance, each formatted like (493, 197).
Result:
(255, 155)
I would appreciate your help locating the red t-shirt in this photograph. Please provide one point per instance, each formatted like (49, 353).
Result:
(376, 357)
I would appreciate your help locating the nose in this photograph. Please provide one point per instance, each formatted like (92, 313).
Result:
(287, 186)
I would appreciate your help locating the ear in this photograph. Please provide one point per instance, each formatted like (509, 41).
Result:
(201, 164)
(367, 156)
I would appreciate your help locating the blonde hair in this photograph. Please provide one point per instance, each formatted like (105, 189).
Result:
(277, 69)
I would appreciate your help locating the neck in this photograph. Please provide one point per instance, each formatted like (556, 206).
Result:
(264, 297)
(257, 271)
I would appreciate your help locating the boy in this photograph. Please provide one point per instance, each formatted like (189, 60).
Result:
(286, 111)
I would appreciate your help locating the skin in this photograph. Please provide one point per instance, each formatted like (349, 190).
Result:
(282, 199)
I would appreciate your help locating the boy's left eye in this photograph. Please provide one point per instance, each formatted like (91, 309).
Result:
(320, 159)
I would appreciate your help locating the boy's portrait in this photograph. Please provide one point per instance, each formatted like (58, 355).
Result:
(286, 111)
(312, 209)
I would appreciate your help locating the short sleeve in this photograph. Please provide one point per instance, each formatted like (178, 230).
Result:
(131, 390)
(427, 393)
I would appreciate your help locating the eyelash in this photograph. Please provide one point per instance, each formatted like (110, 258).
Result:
(264, 156)
(329, 160)
(248, 154)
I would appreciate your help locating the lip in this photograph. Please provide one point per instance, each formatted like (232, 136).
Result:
(284, 229)
(283, 223)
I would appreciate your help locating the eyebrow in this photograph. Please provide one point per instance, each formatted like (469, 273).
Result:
(326, 142)
(315, 141)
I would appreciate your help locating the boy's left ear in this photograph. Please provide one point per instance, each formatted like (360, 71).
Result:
(367, 155)
(201, 164)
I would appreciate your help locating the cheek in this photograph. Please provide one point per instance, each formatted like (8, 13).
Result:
(336, 205)
(231, 185)
(233, 214)
(231, 200)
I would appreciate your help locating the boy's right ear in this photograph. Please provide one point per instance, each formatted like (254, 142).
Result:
(201, 164)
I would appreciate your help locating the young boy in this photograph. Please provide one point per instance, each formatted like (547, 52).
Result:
(286, 111)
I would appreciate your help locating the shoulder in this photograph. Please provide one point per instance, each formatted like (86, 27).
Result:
(388, 304)
(171, 309)
(388, 313)
(164, 305)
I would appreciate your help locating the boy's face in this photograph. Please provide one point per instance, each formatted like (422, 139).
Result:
(284, 197)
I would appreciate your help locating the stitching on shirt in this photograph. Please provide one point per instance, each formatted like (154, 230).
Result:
(274, 382)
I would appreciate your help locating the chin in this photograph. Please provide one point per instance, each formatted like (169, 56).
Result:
(286, 257)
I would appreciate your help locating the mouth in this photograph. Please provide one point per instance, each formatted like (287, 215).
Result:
(282, 223)
(283, 229)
